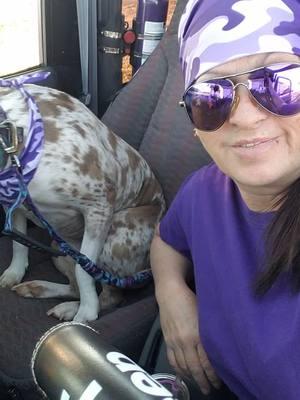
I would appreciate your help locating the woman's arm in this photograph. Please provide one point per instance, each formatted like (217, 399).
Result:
(170, 268)
(179, 315)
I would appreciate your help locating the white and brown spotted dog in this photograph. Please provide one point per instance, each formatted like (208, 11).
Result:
(96, 191)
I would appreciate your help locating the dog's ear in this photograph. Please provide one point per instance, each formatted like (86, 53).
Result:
(2, 219)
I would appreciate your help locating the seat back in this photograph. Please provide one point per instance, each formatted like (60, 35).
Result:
(146, 114)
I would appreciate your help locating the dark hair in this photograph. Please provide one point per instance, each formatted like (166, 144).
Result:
(283, 243)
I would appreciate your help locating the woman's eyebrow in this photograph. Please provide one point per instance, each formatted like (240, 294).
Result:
(217, 74)
(207, 76)
(260, 61)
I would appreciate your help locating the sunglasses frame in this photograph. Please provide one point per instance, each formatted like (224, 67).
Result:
(196, 80)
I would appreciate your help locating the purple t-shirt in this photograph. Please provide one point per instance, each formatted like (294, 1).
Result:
(253, 343)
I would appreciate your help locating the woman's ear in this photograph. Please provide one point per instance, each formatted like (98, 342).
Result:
(196, 133)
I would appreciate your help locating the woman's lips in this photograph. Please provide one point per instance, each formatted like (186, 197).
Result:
(255, 147)
(253, 143)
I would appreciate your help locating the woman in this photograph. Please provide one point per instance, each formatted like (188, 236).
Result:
(236, 221)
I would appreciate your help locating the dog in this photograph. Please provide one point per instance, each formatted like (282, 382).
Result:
(97, 192)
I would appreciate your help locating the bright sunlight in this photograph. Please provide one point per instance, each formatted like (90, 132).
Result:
(20, 37)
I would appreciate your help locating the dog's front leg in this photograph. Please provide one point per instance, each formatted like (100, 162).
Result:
(15, 272)
(95, 233)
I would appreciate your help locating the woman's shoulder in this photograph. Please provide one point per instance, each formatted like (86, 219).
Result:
(204, 185)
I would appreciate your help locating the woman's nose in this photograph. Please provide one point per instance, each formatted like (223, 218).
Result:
(245, 112)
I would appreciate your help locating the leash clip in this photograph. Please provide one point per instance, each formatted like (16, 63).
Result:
(15, 162)
(12, 148)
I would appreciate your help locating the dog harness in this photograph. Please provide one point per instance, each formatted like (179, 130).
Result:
(14, 191)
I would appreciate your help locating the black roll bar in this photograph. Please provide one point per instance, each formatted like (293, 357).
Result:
(110, 49)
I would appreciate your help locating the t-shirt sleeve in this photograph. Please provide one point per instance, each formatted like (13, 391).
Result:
(173, 226)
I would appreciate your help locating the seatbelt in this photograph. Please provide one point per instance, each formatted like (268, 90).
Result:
(83, 26)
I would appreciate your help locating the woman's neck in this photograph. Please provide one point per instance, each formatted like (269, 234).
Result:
(260, 200)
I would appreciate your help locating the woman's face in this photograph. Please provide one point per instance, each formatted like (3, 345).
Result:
(258, 150)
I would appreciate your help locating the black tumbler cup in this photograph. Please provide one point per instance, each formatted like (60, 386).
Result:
(72, 362)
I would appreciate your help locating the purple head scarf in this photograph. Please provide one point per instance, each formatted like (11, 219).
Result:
(213, 31)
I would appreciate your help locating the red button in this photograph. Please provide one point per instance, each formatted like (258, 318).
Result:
(129, 36)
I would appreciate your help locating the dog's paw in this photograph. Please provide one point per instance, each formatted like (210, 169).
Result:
(86, 314)
(10, 277)
(44, 289)
(64, 311)
(30, 289)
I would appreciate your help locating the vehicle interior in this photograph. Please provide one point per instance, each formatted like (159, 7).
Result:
(146, 114)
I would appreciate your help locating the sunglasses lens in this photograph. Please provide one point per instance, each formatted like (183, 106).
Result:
(277, 88)
(208, 103)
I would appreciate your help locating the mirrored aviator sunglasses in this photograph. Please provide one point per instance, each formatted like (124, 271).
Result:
(276, 88)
